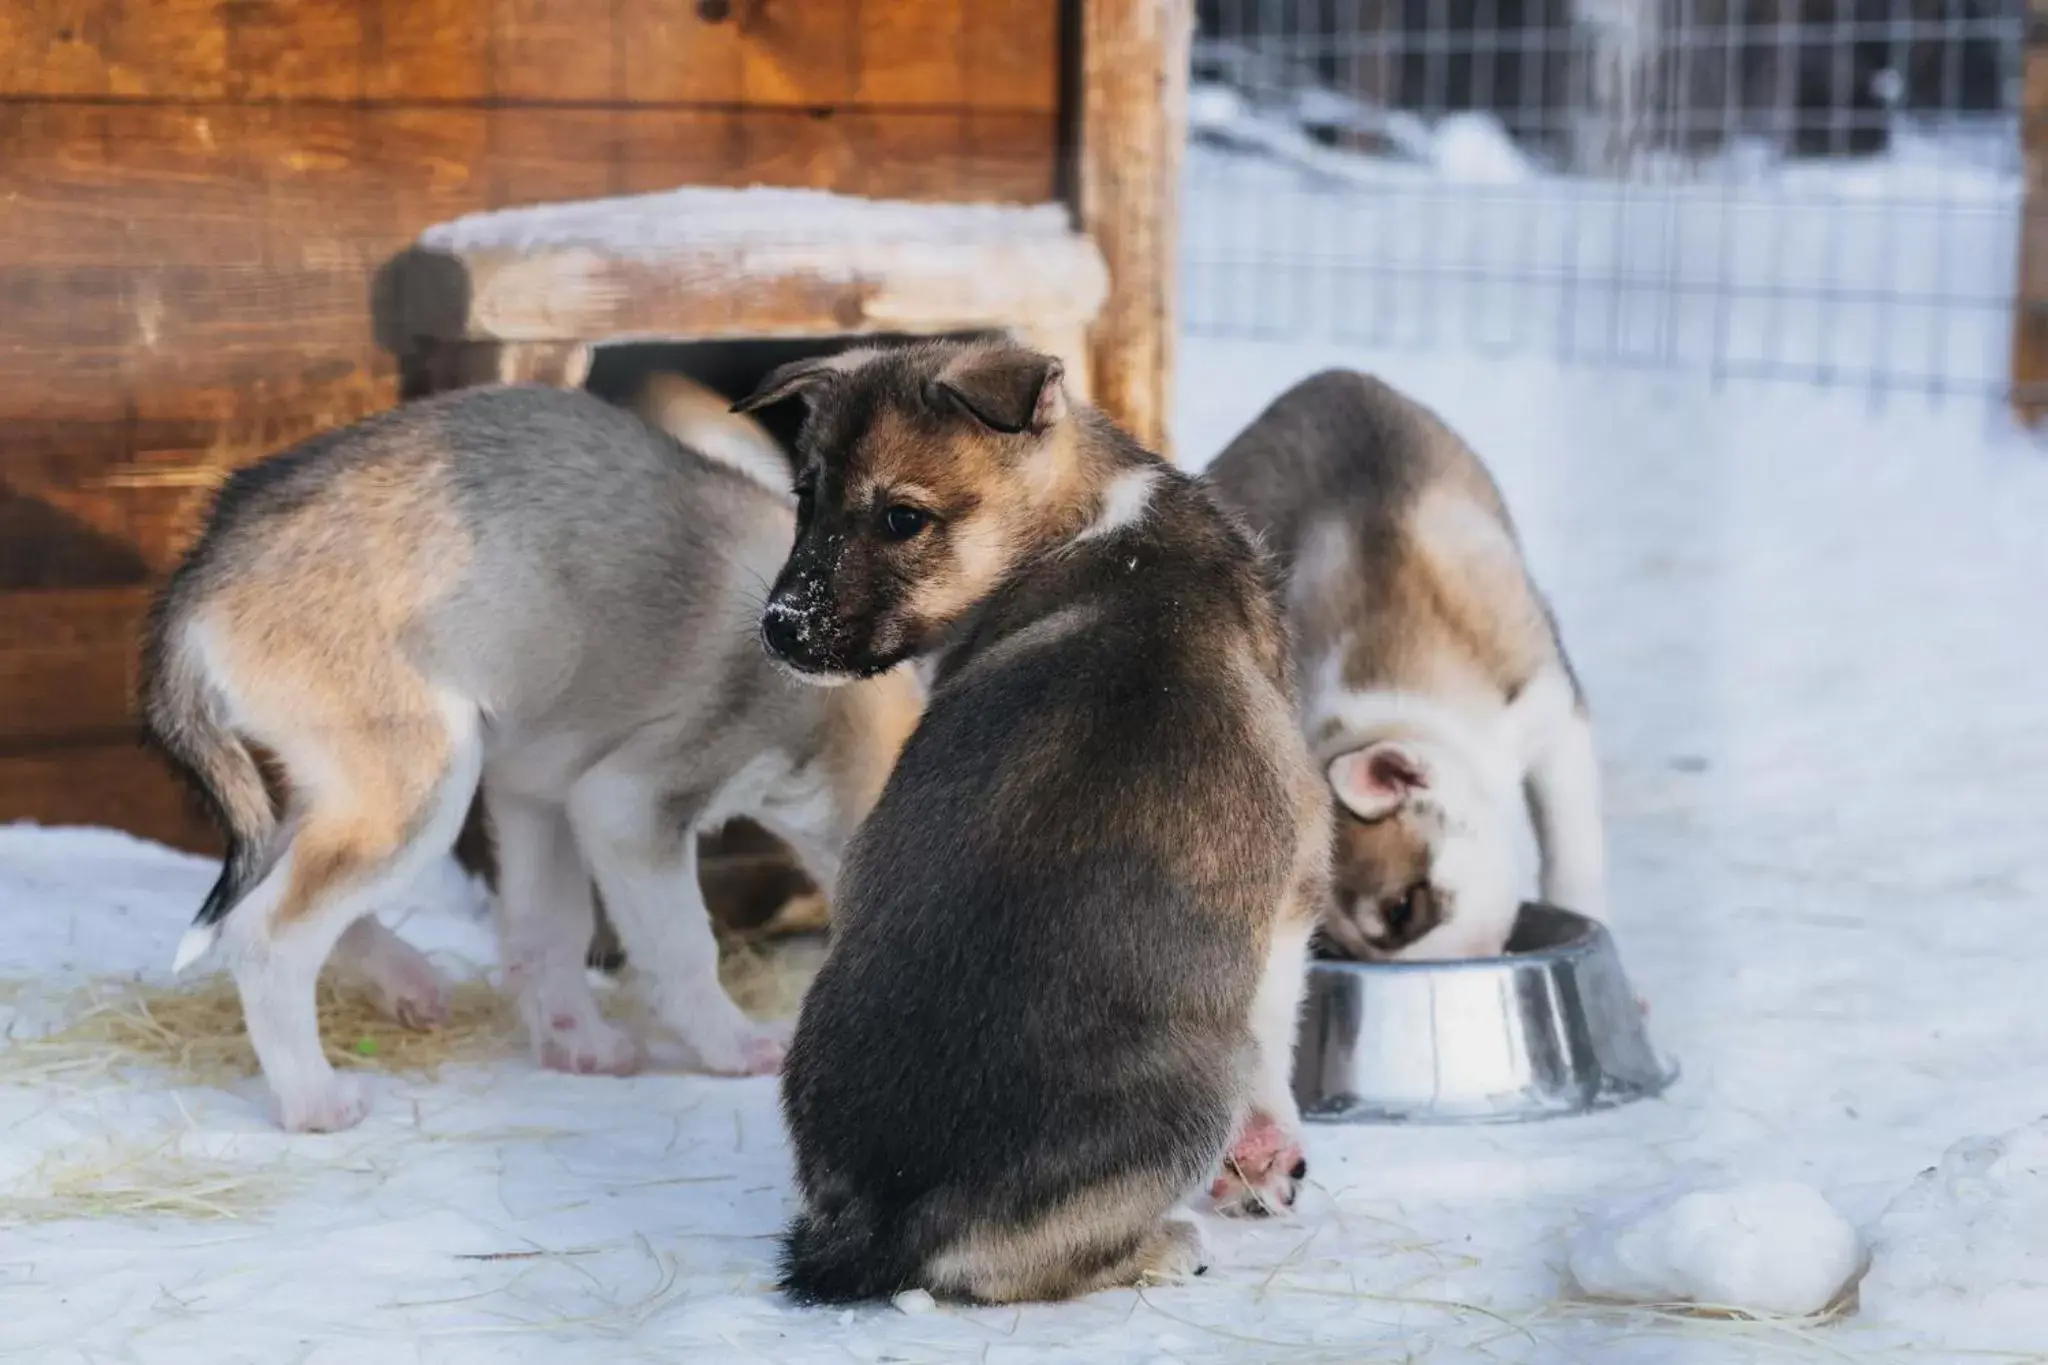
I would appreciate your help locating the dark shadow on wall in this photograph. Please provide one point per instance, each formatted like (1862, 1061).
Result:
(42, 546)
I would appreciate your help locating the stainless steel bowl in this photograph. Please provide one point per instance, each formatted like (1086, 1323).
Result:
(1549, 1028)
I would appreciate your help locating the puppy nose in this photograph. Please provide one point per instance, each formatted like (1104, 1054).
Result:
(779, 629)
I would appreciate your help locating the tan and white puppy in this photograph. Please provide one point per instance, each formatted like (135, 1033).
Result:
(526, 589)
(1435, 692)
(1068, 944)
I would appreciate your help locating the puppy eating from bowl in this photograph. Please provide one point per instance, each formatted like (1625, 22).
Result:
(1435, 691)
(1069, 940)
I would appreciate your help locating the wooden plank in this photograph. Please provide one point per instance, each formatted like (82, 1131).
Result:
(89, 536)
(426, 50)
(292, 49)
(556, 50)
(1036, 274)
(111, 500)
(67, 662)
(682, 51)
(41, 545)
(220, 183)
(542, 155)
(1134, 68)
(202, 404)
(982, 54)
(49, 47)
(111, 783)
(299, 187)
(1010, 54)
(912, 54)
(659, 149)
(174, 48)
(2030, 309)
(804, 52)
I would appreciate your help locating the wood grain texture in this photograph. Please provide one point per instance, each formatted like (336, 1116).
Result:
(113, 782)
(199, 200)
(1134, 66)
(2030, 309)
(67, 662)
(965, 270)
(981, 54)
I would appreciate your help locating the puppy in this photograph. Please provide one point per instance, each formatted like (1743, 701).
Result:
(1069, 941)
(518, 587)
(1435, 693)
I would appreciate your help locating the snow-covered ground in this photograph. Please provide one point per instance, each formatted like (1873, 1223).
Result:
(1813, 632)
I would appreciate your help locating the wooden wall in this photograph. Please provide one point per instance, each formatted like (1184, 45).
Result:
(196, 196)
(2029, 380)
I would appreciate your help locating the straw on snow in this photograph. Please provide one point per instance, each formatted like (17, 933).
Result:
(195, 1030)
(153, 1179)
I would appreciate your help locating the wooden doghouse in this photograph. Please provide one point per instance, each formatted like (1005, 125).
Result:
(201, 203)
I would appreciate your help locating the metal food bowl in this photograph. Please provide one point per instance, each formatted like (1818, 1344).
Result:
(1549, 1028)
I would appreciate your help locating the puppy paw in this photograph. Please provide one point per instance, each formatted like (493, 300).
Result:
(1261, 1172)
(727, 1043)
(587, 1047)
(758, 1051)
(1174, 1253)
(413, 996)
(338, 1103)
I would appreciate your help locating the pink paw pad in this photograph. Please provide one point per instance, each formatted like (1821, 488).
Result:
(764, 1056)
(1261, 1171)
(591, 1054)
(338, 1106)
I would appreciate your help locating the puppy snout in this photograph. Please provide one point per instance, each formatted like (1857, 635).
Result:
(782, 629)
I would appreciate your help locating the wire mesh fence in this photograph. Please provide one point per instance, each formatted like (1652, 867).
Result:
(1825, 190)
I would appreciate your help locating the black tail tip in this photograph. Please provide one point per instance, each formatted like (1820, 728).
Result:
(817, 1269)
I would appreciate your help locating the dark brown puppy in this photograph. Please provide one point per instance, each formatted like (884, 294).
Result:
(1069, 941)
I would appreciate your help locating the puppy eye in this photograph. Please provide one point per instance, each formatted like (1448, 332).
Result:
(806, 497)
(902, 522)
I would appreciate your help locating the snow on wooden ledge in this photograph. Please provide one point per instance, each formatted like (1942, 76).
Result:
(704, 262)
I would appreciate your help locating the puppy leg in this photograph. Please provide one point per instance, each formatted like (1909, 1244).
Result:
(1168, 1254)
(1103, 1237)
(1264, 1164)
(276, 968)
(398, 976)
(1563, 790)
(376, 812)
(545, 916)
(643, 850)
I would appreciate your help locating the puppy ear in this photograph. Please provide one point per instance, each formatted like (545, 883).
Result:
(1375, 781)
(797, 377)
(1008, 389)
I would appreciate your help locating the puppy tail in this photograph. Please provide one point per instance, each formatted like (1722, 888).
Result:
(182, 711)
(843, 1257)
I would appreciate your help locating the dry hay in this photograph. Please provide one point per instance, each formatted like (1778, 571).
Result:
(156, 1180)
(195, 1030)
(768, 976)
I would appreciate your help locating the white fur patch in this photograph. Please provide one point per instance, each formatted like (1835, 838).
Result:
(1123, 503)
(738, 451)
(196, 944)
(1540, 713)
(1451, 524)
